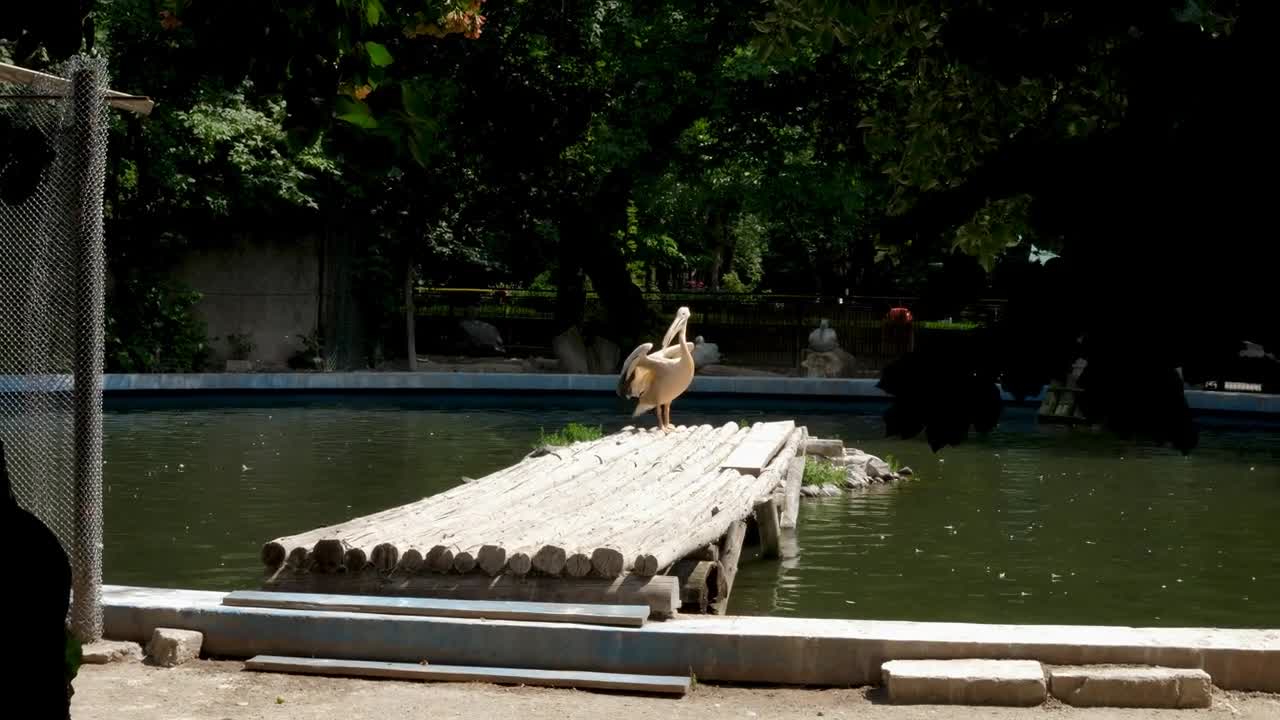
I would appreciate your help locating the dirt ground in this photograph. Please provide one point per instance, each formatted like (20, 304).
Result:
(205, 690)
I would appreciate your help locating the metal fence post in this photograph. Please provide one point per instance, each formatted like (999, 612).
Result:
(88, 86)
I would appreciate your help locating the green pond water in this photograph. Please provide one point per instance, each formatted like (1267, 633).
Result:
(1031, 524)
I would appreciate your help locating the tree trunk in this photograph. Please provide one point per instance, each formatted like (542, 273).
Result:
(716, 236)
(410, 320)
(571, 292)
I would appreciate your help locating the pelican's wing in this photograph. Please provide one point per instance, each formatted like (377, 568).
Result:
(641, 366)
(626, 380)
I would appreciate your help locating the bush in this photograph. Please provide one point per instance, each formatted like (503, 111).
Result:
(152, 326)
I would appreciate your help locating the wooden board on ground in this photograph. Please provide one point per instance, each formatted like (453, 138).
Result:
(661, 684)
(759, 447)
(587, 614)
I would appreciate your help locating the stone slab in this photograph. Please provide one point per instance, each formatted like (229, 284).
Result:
(109, 651)
(170, 647)
(1014, 683)
(1131, 687)
(773, 650)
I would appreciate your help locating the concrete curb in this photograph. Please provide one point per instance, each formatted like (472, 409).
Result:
(773, 650)
(405, 382)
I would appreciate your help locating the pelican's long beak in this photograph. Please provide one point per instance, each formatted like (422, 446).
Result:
(671, 331)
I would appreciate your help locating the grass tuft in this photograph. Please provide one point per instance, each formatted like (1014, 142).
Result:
(821, 472)
(569, 434)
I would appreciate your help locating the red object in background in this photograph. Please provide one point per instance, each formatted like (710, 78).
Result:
(899, 315)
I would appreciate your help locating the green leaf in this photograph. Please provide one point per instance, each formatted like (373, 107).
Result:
(378, 54)
(373, 11)
(415, 102)
(357, 113)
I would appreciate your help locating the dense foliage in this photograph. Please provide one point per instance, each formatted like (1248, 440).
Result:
(811, 146)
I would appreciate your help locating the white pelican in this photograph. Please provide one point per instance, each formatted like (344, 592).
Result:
(658, 378)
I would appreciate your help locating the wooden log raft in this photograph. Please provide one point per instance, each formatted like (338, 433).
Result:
(630, 504)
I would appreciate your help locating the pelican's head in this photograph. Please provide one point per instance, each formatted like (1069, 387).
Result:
(682, 318)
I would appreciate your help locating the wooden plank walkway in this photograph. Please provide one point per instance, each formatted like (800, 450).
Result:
(659, 684)
(632, 503)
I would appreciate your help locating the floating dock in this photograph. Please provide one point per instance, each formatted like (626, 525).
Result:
(640, 516)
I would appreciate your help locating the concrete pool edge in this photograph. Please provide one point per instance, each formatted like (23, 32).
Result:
(425, 382)
(769, 650)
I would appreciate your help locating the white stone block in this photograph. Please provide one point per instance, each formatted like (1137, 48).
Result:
(1131, 686)
(170, 647)
(1019, 683)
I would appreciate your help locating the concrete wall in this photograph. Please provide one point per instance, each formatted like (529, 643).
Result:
(772, 650)
(267, 286)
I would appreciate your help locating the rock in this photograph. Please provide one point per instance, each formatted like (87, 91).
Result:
(855, 479)
(906, 472)
(705, 353)
(828, 364)
(109, 651)
(1133, 687)
(810, 490)
(823, 339)
(483, 336)
(877, 469)
(571, 351)
(1019, 683)
(170, 647)
(603, 357)
(830, 490)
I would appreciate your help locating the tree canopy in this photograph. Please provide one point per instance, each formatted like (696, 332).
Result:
(810, 146)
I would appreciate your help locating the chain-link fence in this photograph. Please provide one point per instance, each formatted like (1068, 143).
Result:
(53, 149)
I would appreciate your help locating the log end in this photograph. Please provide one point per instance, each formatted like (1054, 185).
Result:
(549, 560)
(326, 557)
(385, 557)
(645, 565)
(297, 558)
(410, 561)
(607, 562)
(519, 563)
(355, 560)
(577, 565)
(492, 559)
(439, 559)
(464, 562)
(273, 555)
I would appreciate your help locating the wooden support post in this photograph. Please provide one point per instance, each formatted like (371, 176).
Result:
(766, 513)
(730, 554)
(699, 584)
(791, 492)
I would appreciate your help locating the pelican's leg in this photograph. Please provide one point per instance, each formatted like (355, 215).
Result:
(657, 412)
(668, 411)
(666, 418)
